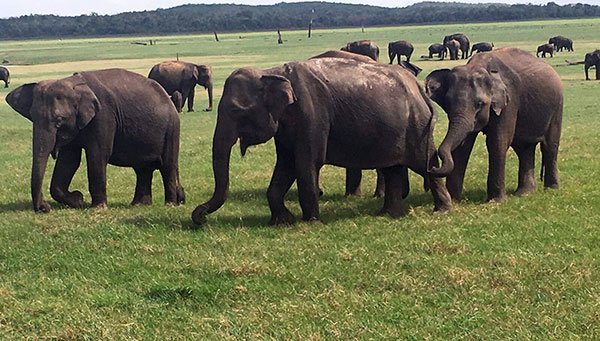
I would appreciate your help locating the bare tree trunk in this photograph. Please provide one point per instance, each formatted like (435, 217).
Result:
(216, 36)
(279, 39)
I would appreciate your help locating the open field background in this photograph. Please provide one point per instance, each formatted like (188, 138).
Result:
(528, 268)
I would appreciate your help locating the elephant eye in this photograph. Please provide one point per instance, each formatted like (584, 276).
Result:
(480, 103)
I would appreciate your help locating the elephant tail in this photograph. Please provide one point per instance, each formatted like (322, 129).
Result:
(542, 169)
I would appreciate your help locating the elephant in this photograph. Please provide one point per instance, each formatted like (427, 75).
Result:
(561, 42)
(438, 48)
(453, 47)
(463, 41)
(364, 47)
(118, 117)
(4, 76)
(592, 59)
(516, 100)
(545, 48)
(482, 47)
(326, 111)
(182, 77)
(400, 48)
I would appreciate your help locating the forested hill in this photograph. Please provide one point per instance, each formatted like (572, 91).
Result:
(226, 18)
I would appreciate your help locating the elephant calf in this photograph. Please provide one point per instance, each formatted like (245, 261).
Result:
(400, 48)
(438, 48)
(326, 111)
(481, 47)
(545, 48)
(117, 117)
(4, 76)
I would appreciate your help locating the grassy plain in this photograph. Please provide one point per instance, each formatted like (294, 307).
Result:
(525, 269)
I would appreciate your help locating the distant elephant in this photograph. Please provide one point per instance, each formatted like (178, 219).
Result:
(5, 76)
(117, 117)
(592, 59)
(561, 42)
(482, 47)
(182, 77)
(516, 100)
(438, 48)
(463, 41)
(325, 111)
(400, 48)
(453, 47)
(545, 48)
(364, 47)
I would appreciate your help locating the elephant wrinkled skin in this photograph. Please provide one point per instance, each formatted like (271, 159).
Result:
(513, 98)
(325, 111)
(363, 47)
(117, 117)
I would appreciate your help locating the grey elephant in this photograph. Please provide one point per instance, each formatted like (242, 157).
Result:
(118, 117)
(364, 47)
(453, 47)
(516, 100)
(354, 176)
(400, 48)
(463, 40)
(592, 59)
(325, 111)
(5, 76)
(545, 48)
(481, 47)
(561, 43)
(179, 80)
(438, 48)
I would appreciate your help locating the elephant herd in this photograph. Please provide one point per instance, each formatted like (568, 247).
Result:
(555, 44)
(340, 108)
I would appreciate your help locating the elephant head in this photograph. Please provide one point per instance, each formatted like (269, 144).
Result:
(203, 76)
(59, 109)
(470, 97)
(250, 109)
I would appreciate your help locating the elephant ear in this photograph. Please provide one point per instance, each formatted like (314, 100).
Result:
(499, 93)
(436, 85)
(278, 94)
(87, 106)
(21, 99)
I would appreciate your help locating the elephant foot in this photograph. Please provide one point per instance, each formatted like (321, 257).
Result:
(356, 193)
(144, 200)
(496, 199)
(208, 109)
(321, 192)
(551, 186)
(74, 199)
(523, 191)
(284, 218)
(100, 206)
(180, 195)
(379, 193)
(190, 110)
(443, 208)
(392, 212)
(42, 207)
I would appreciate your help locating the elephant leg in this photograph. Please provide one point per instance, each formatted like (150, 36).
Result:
(442, 201)
(598, 71)
(526, 154)
(96, 163)
(353, 179)
(67, 164)
(497, 149)
(308, 193)
(143, 186)
(380, 188)
(177, 99)
(281, 181)
(392, 202)
(6, 84)
(549, 149)
(169, 171)
(190, 101)
(461, 155)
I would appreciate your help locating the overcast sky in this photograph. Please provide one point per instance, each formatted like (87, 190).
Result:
(11, 8)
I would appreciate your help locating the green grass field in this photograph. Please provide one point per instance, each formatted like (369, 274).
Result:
(524, 269)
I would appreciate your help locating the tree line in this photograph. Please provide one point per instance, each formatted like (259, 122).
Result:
(230, 18)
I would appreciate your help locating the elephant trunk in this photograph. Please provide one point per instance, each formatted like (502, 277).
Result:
(457, 133)
(209, 89)
(225, 137)
(43, 145)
